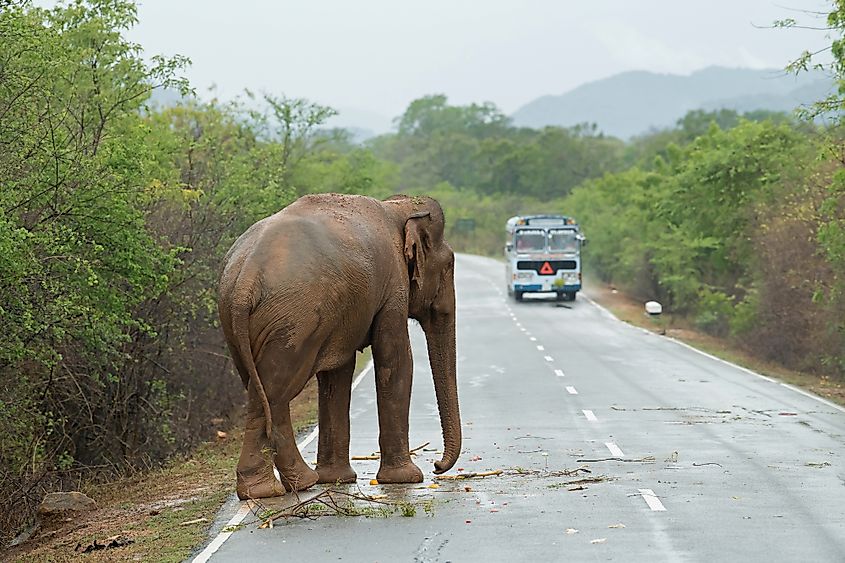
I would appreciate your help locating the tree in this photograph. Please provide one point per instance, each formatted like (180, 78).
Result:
(291, 124)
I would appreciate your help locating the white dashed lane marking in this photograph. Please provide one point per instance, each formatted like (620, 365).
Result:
(549, 358)
(614, 449)
(572, 391)
(590, 416)
(559, 372)
(651, 500)
(540, 348)
(532, 339)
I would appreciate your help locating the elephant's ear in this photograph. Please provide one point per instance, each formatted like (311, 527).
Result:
(415, 246)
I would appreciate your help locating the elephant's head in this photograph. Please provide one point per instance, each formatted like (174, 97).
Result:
(431, 301)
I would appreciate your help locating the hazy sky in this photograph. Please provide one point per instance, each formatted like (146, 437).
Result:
(378, 55)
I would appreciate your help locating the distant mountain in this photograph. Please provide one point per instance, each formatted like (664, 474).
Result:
(361, 124)
(631, 103)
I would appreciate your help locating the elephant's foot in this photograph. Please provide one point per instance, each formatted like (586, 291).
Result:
(299, 479)
(258, 485)
(406, 473)
(336, 473)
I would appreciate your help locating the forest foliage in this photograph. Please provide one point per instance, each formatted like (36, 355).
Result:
(115, 213)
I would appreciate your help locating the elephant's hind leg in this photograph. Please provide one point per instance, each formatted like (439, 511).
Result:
(333, 448)
(293, 471)
(255, 477)
(287, 373)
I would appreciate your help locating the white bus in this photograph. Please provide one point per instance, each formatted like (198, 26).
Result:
(543, 255)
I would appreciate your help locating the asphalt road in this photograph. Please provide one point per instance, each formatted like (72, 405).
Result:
(705, 461)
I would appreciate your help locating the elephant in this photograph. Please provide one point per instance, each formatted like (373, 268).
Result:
(301, 292)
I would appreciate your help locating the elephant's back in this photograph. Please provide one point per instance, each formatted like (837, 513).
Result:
(322, 272)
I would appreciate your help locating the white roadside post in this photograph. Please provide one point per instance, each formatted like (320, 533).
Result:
(655, 310)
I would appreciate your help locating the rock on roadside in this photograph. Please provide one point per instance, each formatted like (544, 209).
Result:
(54, 510)
(60, 504)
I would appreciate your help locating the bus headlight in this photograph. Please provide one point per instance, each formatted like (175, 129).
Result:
(571, 279)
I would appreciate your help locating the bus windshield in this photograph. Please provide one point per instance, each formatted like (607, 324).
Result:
(563, 241)
(530, 240)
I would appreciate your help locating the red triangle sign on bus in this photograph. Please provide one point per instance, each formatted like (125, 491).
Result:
(546, 269)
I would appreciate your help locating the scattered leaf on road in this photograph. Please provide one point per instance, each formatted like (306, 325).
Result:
(571, 531)
(819, 464)
(373, 481)
(598, 540)
(619, 525)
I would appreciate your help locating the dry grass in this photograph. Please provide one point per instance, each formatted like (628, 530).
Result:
(632, 311)
(152, 508)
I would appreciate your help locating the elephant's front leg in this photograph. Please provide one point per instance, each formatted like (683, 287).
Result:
(333, 447)
(394, 373)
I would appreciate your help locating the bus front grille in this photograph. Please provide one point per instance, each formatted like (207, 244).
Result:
(537, 265)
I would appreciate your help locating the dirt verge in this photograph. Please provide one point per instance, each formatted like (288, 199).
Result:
(165, 513)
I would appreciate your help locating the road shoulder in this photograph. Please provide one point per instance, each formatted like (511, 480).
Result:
(631, 311)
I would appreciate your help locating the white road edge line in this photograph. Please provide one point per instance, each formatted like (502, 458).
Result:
(720, 360)
(614, 449)
(590, 416)
(572, 391)
(651, 500)
(239, 516)
(559, 372)
(215, 544)
(549, 358)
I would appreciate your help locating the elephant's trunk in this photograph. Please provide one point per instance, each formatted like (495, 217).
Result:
(440, 337)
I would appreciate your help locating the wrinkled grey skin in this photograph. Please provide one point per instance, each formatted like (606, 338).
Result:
(300, 293)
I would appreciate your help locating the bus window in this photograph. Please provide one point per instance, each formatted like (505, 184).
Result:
(530, 241)
(563, 241)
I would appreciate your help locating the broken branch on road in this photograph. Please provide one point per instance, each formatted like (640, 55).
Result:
(578, 484)
(334, 502)
(546, 473)
(646, 459)
(461, 476)
(377, 455)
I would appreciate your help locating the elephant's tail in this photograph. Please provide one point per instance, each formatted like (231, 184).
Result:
(240, 327)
